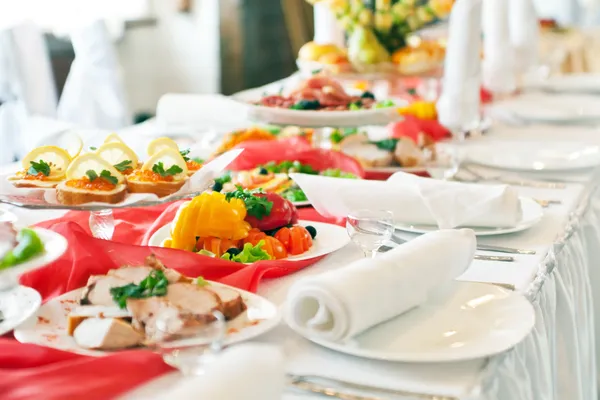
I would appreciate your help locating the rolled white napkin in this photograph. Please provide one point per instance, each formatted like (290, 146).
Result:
(458, 105)
(327, 29)
(342, 303)
(524, 34)
(416, 200)
(498, 62)
(176, 112)
(247, 371)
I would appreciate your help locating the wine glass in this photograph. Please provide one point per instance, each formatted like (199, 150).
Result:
(189, 349)
(102, 224)
(370, 229)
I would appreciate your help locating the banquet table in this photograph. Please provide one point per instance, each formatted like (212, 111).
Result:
(556, 361)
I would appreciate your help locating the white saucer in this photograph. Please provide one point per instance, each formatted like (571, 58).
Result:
(16, 306)
(532, 214)
(466, 321)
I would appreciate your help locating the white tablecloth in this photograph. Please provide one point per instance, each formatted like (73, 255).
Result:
(557, 361)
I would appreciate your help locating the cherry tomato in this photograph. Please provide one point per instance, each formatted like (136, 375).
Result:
(215, 245)
(296, 239)
(281, 213)
(272, 246)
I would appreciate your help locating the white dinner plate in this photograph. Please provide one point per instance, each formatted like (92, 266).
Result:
(49, 329)
(54, 244)
(309, 118)
(572, 83)
(16, 305)
(551, 109)
(465, 321)
(532, 214)
(535, 156)
(329, 239)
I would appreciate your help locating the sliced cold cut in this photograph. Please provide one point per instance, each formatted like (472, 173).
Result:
(106, 334)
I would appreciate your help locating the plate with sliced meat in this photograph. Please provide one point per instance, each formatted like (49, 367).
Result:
(121, 310)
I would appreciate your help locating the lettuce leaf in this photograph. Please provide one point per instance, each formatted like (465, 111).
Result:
(249, 254)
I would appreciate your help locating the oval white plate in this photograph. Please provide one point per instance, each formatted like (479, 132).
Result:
(535, 156)
(532, 214)
(16, 305)
(466, 321)
(308, 118)
(55, 245)
(329, 239)
(49, 328)
(572, 83)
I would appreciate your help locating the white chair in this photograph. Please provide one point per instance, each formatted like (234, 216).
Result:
(26, 86)
(94, 93)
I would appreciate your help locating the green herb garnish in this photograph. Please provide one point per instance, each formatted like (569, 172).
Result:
(306, 105)
(338, 173)
(92, 148)
(294, 195)
(249, 254)
(355, 106)
(39, 167)
(386, 144)
(338, 135)
(221, 181)
(184, 154)
(258, 207)
(92, 175)
(198, 160)
(200, 281)
(154, 284)
(28, 246)
(289, 166)
(160, 169)
(385, 104)
(123, 165)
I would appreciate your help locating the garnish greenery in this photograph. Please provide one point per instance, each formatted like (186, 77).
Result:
(198, 160)
(258, 207)
(39, 167)
(159, 168)
(338, 173)
(249, 254)
(92, 175)
(386, 144)
(92, 148)
(219, 182)
(338, 135)
(306, 105)
(123, 165)
(200, 281)
(289, 166)
(154, 284)
(184, 154)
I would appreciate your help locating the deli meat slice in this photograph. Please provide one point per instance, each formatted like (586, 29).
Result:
(231, 300)
(97, 291)
(106, 334)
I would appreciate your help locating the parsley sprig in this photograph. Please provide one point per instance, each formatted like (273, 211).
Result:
(159, 168)
(154, 284)
(92, 175)
(39, 167)
(258, 207)
(184, 154)
(123, 165)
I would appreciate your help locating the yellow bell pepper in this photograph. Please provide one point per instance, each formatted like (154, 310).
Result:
(420, 109)
(209, 214)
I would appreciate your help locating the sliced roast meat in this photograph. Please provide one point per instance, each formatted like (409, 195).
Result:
(171, 275)
(106, 334)
(82, 313)
(232, 302)
(97, 291)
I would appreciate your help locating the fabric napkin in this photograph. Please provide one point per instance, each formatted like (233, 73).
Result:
(342, 303)
(498, 62)
(199, 112)
(458, 105)
(416, 200)
(246, 371)
(524, 34)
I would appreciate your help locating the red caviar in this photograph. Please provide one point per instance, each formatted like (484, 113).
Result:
(37, 177)
(145, 175)
(193, 165)
(100, 184)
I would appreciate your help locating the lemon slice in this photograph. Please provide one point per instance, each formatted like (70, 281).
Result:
(91, 161)
(116, 153)
(161, 143)
(113, 137)
(57, 158)
(168, 157)
(72, 143)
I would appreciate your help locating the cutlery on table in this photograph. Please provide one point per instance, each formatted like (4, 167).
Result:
(547, 203)
(384, 248)
(513, 180)
(339, 389)
(483, 247)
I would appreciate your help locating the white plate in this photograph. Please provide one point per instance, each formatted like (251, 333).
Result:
(54, 244)
(17, 305)
(575, 83)
(563, 109)
(329, 239)
(308, 118)
(49, 328)
(465, 321)
(532, 214)
(535, 156)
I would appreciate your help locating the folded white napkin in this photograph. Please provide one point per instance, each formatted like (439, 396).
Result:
(327, 28)
(416, 200)
(458, 105)
(342, 303)
(243, 372)
(524, 34)
(199, 112)
(498, 62)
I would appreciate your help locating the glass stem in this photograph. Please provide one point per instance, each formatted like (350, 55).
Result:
(102, 224)
(370, 253)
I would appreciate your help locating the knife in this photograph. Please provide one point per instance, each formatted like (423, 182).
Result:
(493, 258)
(483, 247)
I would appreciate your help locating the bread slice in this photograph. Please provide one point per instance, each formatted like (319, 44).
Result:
(70, 196)
(34, 183)
(161, 189)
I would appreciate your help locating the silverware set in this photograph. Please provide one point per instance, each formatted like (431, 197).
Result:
(509, 179)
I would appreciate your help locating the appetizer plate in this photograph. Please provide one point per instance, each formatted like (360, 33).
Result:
(535, 156)
(49, 328)
(329, 239)
(310, 118)
(464, 321)
(532, 214)
(55, 246)
(16, 305)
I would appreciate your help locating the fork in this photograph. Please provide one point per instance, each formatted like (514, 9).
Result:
(516, 181)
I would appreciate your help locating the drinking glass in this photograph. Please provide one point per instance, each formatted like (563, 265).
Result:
(370, 229)
(190, 350)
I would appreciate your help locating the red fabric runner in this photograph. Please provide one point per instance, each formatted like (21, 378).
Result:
(33, 372)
